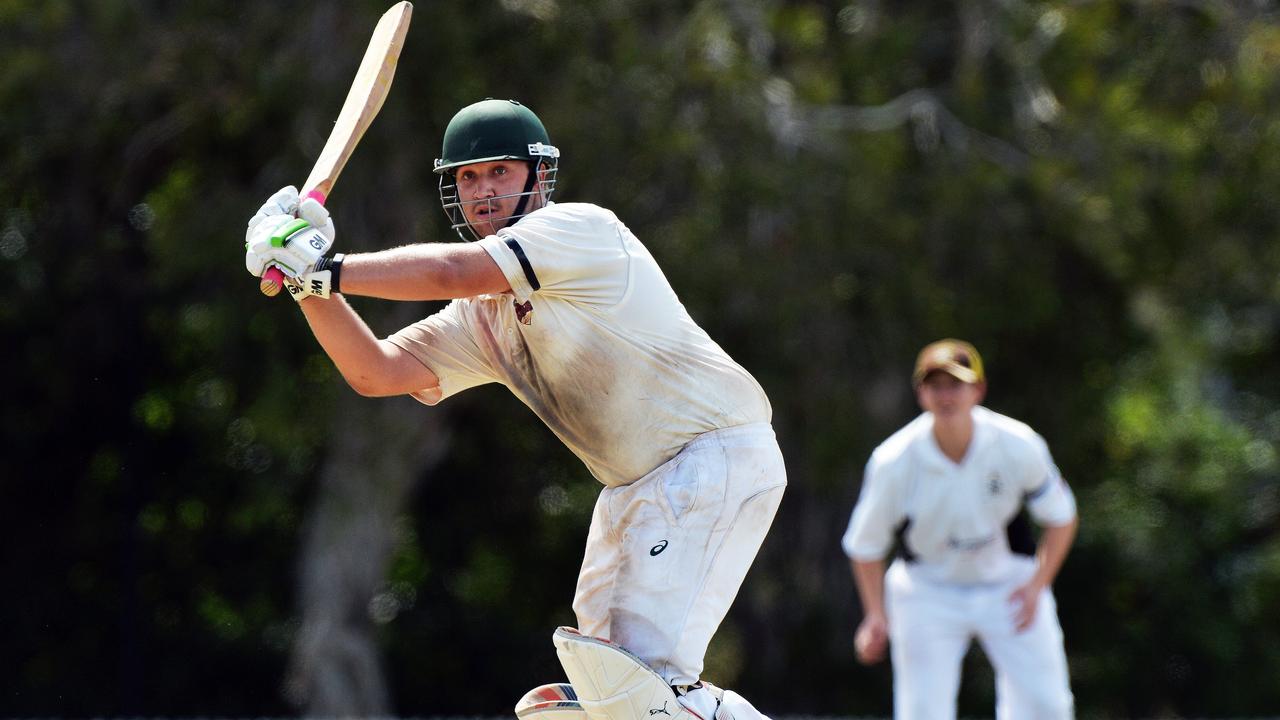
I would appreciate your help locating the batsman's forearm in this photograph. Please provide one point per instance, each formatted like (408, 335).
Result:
(426, 271)
(346, 339)
(868, 575)
(1055, 543)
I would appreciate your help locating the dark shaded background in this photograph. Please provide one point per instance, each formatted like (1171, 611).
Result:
(1083, 189)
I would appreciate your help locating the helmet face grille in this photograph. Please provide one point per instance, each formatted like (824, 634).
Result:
(453, 205)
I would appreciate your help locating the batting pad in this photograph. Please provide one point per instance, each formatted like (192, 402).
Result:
(613, 684)
(557, 701)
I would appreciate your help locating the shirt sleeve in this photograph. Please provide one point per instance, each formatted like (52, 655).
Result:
(1048, 496)
(574, 251)
(876, 514)
(443, 343)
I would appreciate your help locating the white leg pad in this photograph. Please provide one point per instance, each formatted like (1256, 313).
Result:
(557, 701)
(613, 684)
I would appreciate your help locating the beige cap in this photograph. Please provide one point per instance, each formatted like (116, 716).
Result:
(956, 358)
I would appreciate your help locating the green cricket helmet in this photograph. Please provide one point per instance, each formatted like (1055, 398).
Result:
(488, 131)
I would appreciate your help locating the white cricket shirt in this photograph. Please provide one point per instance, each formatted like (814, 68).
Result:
(957, 514)
(594, 340)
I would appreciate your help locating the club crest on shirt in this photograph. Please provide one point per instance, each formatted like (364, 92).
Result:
(994, 484)
(524, 311)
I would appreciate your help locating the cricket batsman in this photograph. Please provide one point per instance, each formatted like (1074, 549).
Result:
(949, 488)
(563, 305)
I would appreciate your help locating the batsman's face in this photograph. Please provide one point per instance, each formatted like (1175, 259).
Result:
(947, 397)
(490, 191)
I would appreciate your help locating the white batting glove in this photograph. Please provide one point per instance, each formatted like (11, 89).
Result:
(283, 202)
(275, 236)
(315, 284)
(277, 210)
(320, 282)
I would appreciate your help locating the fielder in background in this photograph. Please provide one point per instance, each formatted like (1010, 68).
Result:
(949, 489)
(563, 305)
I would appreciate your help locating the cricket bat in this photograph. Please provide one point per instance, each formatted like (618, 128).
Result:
(368, 91)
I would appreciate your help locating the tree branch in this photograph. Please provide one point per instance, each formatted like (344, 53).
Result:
(933, 124)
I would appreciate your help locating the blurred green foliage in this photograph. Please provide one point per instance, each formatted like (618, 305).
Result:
(1082, 189)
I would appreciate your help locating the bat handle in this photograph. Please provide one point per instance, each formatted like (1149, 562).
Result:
(271, 282)
(273, 279)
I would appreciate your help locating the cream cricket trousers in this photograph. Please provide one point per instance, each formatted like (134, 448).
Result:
(666, 554)
(931, 626)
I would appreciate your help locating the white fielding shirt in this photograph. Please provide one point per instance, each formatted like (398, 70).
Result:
(957, 513)
(604, 352)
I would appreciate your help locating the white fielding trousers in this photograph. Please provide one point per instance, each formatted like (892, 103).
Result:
(931, 626)
(666, 554)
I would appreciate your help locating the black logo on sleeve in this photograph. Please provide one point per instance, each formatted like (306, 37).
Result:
(662, 710)
(656, 550)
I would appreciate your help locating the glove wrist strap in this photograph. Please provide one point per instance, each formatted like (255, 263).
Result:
(334, 266)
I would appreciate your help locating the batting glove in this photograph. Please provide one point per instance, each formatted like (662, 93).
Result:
(320, 282)
(289, 234)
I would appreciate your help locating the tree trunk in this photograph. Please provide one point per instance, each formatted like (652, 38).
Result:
(380, 449)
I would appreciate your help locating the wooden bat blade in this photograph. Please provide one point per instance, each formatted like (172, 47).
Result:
(364, 100)
(368, 92)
